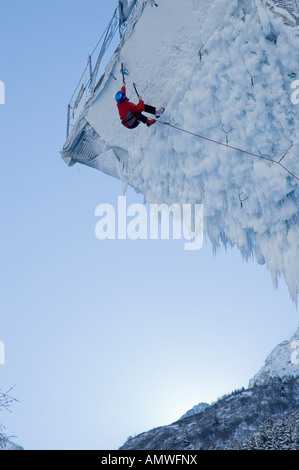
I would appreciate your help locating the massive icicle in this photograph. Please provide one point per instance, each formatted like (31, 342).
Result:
(223, 70)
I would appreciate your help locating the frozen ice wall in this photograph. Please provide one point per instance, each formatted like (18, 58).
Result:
(224, 70)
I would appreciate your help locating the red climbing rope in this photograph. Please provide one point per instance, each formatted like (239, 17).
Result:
(229, 146)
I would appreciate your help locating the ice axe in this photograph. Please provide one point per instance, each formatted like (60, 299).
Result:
(135, 88)
(122, 71)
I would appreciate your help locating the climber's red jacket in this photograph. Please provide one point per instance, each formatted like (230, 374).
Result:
(127, 110)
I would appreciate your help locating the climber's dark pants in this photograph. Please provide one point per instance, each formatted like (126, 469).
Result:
(139, 117)
(148, 109)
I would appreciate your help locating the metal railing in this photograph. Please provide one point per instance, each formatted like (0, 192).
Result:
(86, 87)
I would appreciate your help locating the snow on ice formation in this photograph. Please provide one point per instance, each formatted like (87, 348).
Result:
(224, 70)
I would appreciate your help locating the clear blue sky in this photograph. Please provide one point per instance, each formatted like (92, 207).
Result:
(103, 338)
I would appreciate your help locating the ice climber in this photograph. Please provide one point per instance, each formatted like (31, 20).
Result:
(131, 114)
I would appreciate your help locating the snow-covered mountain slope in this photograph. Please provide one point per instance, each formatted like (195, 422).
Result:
(236, 418)
(223, 70)
(231, 422)
(195, 410)
(228, 423)
(281, 362)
